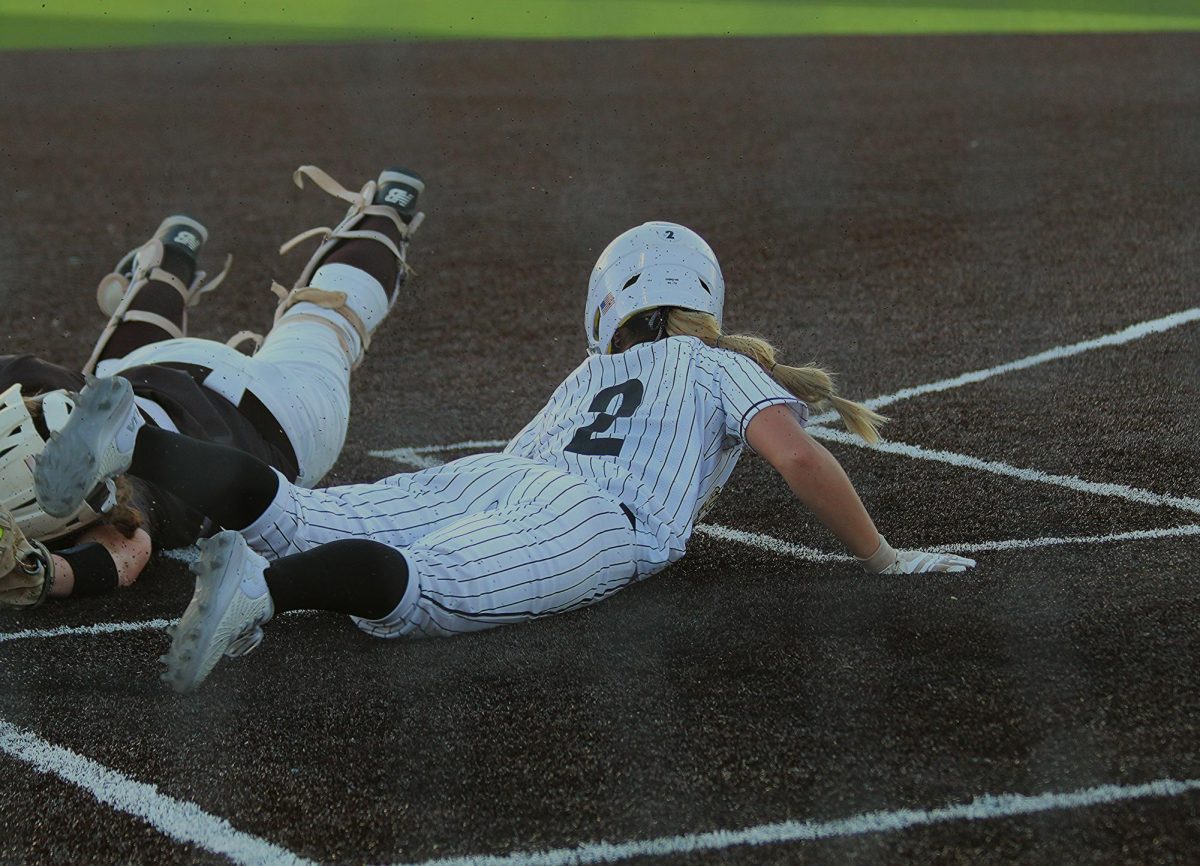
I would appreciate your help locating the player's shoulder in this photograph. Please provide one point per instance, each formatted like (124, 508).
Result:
(715, 359)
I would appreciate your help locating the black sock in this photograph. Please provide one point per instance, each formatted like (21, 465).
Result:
(368, 255)
(354, 576)
(228, 485)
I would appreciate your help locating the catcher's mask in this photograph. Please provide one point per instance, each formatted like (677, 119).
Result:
(20, 443)
(656, 264)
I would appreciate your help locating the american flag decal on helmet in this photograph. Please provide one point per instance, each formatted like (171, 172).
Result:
(607, 303)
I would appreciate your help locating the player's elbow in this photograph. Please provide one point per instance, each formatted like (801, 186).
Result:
(796, 464)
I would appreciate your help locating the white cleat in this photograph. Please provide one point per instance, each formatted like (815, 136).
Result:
(94, 446)
(226, 613)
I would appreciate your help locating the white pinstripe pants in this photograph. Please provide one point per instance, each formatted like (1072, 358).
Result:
(300, 374)
(490, 539)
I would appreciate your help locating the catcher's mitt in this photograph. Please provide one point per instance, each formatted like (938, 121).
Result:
(26, 570)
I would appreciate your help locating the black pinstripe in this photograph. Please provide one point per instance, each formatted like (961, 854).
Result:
(540, 529)
(680, 445)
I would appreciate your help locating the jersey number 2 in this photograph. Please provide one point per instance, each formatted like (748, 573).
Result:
(585, 440)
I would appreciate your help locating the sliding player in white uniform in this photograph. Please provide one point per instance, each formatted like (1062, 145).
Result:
(602, 488)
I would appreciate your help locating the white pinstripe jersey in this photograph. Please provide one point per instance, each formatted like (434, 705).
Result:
(659, 427)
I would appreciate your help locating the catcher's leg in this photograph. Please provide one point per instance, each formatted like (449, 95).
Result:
(370, 241)
(301, 373)
(324, 324)
(105, 437)
(149, 291)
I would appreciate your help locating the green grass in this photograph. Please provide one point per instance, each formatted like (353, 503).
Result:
(99, 23)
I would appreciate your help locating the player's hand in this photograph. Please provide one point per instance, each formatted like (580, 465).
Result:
(887, 560)
(920, 562)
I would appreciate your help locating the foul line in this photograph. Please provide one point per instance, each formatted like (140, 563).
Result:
(983, 808)
(186, 822)
(94, 629)
(799, 551)
(769, 543)
(1126, 335)
(116, 627)
(416, 456)
(1048, 541)
(1119, 491)
(180, 820)
(724, 533)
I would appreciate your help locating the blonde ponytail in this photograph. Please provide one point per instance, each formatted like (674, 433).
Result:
(811, 384)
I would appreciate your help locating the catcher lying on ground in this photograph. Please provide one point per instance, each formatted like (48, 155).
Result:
(287, 404)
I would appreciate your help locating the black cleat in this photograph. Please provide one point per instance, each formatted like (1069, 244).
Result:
(177, 232)
(400, 189)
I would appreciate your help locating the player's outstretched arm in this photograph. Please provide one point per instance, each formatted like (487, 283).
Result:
(821, 484)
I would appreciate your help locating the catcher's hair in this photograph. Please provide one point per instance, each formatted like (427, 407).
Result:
(125, 516)
(811, 384)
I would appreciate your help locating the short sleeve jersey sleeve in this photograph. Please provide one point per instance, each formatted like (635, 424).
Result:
(747, 389)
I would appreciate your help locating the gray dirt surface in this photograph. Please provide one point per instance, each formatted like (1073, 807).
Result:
(902, 209)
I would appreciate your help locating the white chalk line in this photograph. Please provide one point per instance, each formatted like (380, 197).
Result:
(996, 467)
(183, 554)
(186, 822)
(98, 628)
(178, 819)
(767, 543)
(799, 551)
(417, 455)
(983, 808)
(1049, 541)
(1117, 338)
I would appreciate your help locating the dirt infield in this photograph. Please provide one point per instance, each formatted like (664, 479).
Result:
(904, 211)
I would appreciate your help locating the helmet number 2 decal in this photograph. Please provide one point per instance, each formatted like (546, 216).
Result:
(585, 441)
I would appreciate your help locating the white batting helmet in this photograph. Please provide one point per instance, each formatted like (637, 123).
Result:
(20, 442)
(657, 264)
